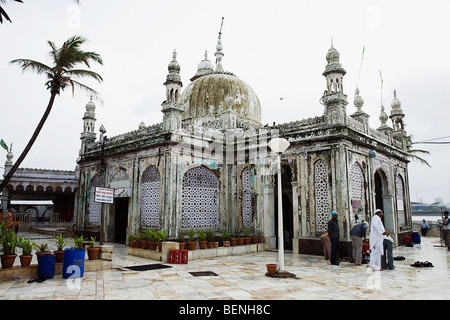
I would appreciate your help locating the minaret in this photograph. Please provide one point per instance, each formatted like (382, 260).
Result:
(172, 108)
(219, 54)
(397, 114)
(334, 99)
(88, 136)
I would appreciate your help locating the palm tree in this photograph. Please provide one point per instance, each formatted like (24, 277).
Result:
(5, 15)
(413, 153)
(61, 75)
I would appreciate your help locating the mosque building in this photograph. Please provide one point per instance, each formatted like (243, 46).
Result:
(208, 165)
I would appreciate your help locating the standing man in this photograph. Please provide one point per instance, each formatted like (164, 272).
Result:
(357, 234)
(446, 230)
(376, 240)
(424, 227)
(333, 234)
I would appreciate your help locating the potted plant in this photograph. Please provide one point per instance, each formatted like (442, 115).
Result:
(9, 242)
(181, 240)
(92, 250)
(145, 240)
(260, 236)
(247, 238)
(131, 240)
(202, 242)
(138, 241)
(225, 237)
(27, 247)
(161, 236)
(191, 244)
(210, 238)
(240, 239)
(59, 253)
(42, 249)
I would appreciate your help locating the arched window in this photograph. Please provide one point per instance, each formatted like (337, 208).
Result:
(358, 193)
(247, 198)
(200, 200)
(321, 195)
(150, 198)
(400, 195)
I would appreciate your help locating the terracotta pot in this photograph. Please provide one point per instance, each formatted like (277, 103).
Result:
(145, 244)
(132, 243)
(233, 242)
(25, 261)
(39, 254)
(182, 245)
(226, 243)
(271, 269)
(191, 245)
(138, 243)
(247, 240)
(255, 240)
(215, 244)
(202, 244)
(210, 244)
(8, 260)
(59, 256)
(240, 241)
(93, 253)
(153, 245)
(262, 239)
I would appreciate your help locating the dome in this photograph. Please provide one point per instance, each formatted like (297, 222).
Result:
(396, 104)
(206, 98)
(333, 55)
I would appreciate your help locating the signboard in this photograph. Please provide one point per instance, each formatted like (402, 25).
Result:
(104, 195)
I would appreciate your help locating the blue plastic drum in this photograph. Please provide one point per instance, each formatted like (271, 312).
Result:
(73, 266)
(46, 266)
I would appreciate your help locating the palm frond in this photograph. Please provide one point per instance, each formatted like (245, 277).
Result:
(84, 74)
(36, 66)
(85, 88)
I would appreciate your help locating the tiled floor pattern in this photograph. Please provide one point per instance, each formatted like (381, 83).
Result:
(243, 278)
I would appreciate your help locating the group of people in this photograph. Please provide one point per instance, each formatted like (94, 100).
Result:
(380, 242)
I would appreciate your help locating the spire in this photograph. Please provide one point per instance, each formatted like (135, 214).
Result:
(219, 54)
(174, 70)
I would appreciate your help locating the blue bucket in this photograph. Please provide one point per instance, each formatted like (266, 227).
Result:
(73, 266)
(46, 266)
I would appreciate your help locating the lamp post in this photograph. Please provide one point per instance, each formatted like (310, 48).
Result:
(279, 145)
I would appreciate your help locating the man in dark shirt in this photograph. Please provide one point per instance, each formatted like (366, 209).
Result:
(333, 234)
(357, 234)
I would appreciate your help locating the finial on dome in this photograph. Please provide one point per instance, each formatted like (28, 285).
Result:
(358, 101)
(219, 54)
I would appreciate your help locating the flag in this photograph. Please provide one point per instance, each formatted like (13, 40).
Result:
(381, 76)
(364, 49)
(3, 144)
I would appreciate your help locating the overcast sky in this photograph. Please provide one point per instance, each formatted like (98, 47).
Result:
(277, 47)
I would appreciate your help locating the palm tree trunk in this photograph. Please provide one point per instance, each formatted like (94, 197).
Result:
(30, 143)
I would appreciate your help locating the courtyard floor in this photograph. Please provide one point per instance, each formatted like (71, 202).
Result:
(242, 277)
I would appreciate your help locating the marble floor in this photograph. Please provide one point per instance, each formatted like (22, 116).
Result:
(243, 277)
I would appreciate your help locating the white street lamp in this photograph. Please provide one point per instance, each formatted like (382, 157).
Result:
(279, 145)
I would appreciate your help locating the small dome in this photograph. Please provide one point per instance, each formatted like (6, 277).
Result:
(90, 106)
(333, 55)
(396, 104)
(174, 65)
(204, 67)
(383, 116)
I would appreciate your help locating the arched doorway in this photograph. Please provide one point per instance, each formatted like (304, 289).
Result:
(288, 217)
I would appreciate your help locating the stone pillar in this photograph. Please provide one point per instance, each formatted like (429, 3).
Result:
(269, 215)
(296, 218)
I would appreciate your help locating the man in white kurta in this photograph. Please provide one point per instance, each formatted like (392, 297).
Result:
(376, 240)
